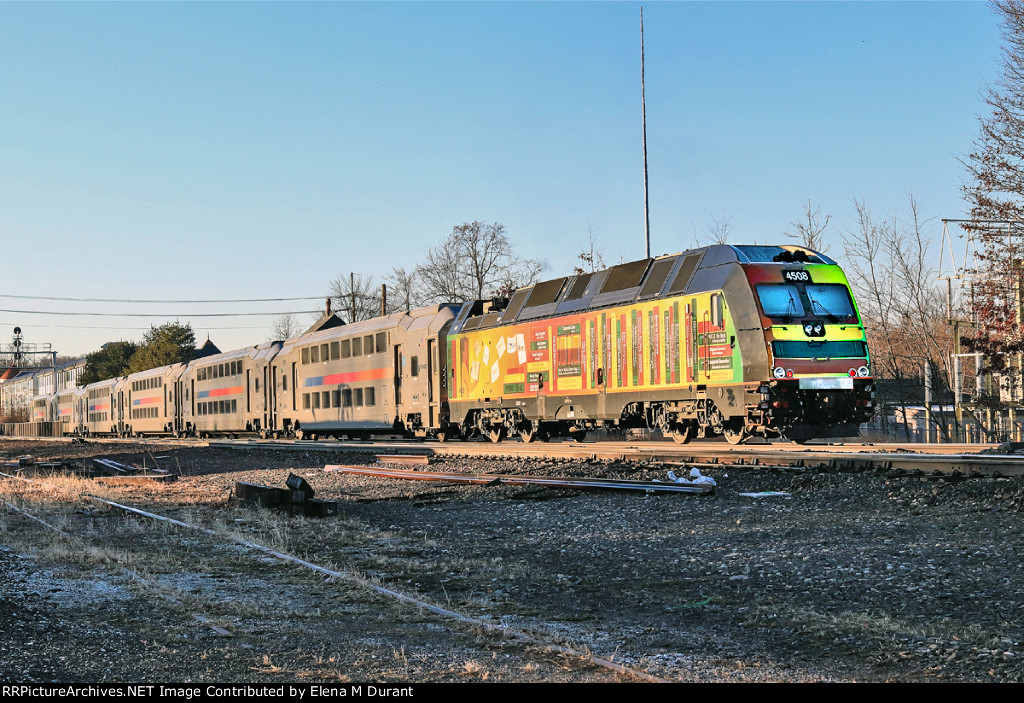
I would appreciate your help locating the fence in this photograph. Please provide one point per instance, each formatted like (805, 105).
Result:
(32, 429)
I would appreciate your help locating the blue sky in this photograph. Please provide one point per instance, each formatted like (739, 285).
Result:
(258, 150)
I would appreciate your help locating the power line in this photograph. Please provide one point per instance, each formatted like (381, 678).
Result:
(44, 325)
(142, 300)
(159, 314)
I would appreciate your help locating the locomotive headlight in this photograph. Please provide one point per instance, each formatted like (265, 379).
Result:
(779, 372)
(863, 371)
(809, 330)
(819, 329)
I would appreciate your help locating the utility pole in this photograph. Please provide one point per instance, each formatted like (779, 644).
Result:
(928, 401)
(643, 112)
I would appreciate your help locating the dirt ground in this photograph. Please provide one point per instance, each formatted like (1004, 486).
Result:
(851, 577)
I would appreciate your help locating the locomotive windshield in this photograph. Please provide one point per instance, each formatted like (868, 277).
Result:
(780, 301)
(832, 300)
(786, 300)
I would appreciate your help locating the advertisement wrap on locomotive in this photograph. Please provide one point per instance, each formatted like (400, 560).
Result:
(725, 340)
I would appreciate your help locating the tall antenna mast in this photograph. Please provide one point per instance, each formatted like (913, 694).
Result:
(643, 111)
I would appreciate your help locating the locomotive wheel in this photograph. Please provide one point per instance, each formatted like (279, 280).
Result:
(496, 434)
(735, 433)
(683, 434)
(532, 432)
(441, 435)
(577, 435)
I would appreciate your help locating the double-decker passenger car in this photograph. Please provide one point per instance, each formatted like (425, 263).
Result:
(99, 409)
(374, 375)
(228, 393)
(150, 401)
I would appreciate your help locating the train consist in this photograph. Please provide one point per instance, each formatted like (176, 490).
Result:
(736, 341)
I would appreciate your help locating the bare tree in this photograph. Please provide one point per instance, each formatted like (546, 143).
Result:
(888, 264)
(810, 230)
(591, 256)
(995, 192)
(475, 261)
(403, 291)
(719, 230)
(355, 297)
(285, 327)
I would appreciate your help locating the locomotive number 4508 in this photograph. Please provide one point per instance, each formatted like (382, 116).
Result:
(797, 276)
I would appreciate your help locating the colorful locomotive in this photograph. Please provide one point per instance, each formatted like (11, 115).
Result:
(724, 340)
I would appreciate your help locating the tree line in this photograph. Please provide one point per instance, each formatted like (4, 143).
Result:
(475, 261)
(170, 343)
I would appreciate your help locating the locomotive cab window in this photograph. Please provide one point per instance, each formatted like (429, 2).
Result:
(717, 311)
(780, 300)
(830, 300)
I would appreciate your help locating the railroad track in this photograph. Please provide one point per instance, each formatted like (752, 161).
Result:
(950, 459)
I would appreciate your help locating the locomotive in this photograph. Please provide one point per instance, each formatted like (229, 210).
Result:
(725, 340)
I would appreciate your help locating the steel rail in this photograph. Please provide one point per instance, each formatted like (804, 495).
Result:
(519, 480)
(503, 630)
